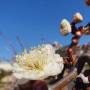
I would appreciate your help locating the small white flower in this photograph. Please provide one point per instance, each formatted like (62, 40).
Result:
(65, 27)
(38, 64)
(85, 79)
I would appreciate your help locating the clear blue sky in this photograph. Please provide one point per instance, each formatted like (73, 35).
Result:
(37, 22)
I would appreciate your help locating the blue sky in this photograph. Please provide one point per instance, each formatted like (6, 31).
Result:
(37, 22)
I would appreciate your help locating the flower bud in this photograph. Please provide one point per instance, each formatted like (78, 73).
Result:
(75, 41)
(87, 2)
(70, 51)
(77, 18)
(78, 34)
(65, 27)
(73, 59)
(40, 85)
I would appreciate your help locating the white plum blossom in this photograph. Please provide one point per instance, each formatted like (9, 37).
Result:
(40, 63)
(65, 27)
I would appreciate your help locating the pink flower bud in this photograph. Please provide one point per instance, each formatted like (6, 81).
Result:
(70, 51)
(75, 41)
(87, 2)
(40, 85)
(78, 34)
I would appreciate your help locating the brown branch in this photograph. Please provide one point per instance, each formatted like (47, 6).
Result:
(64, 81)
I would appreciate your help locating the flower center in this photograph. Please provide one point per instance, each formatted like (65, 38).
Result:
(36, 59)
